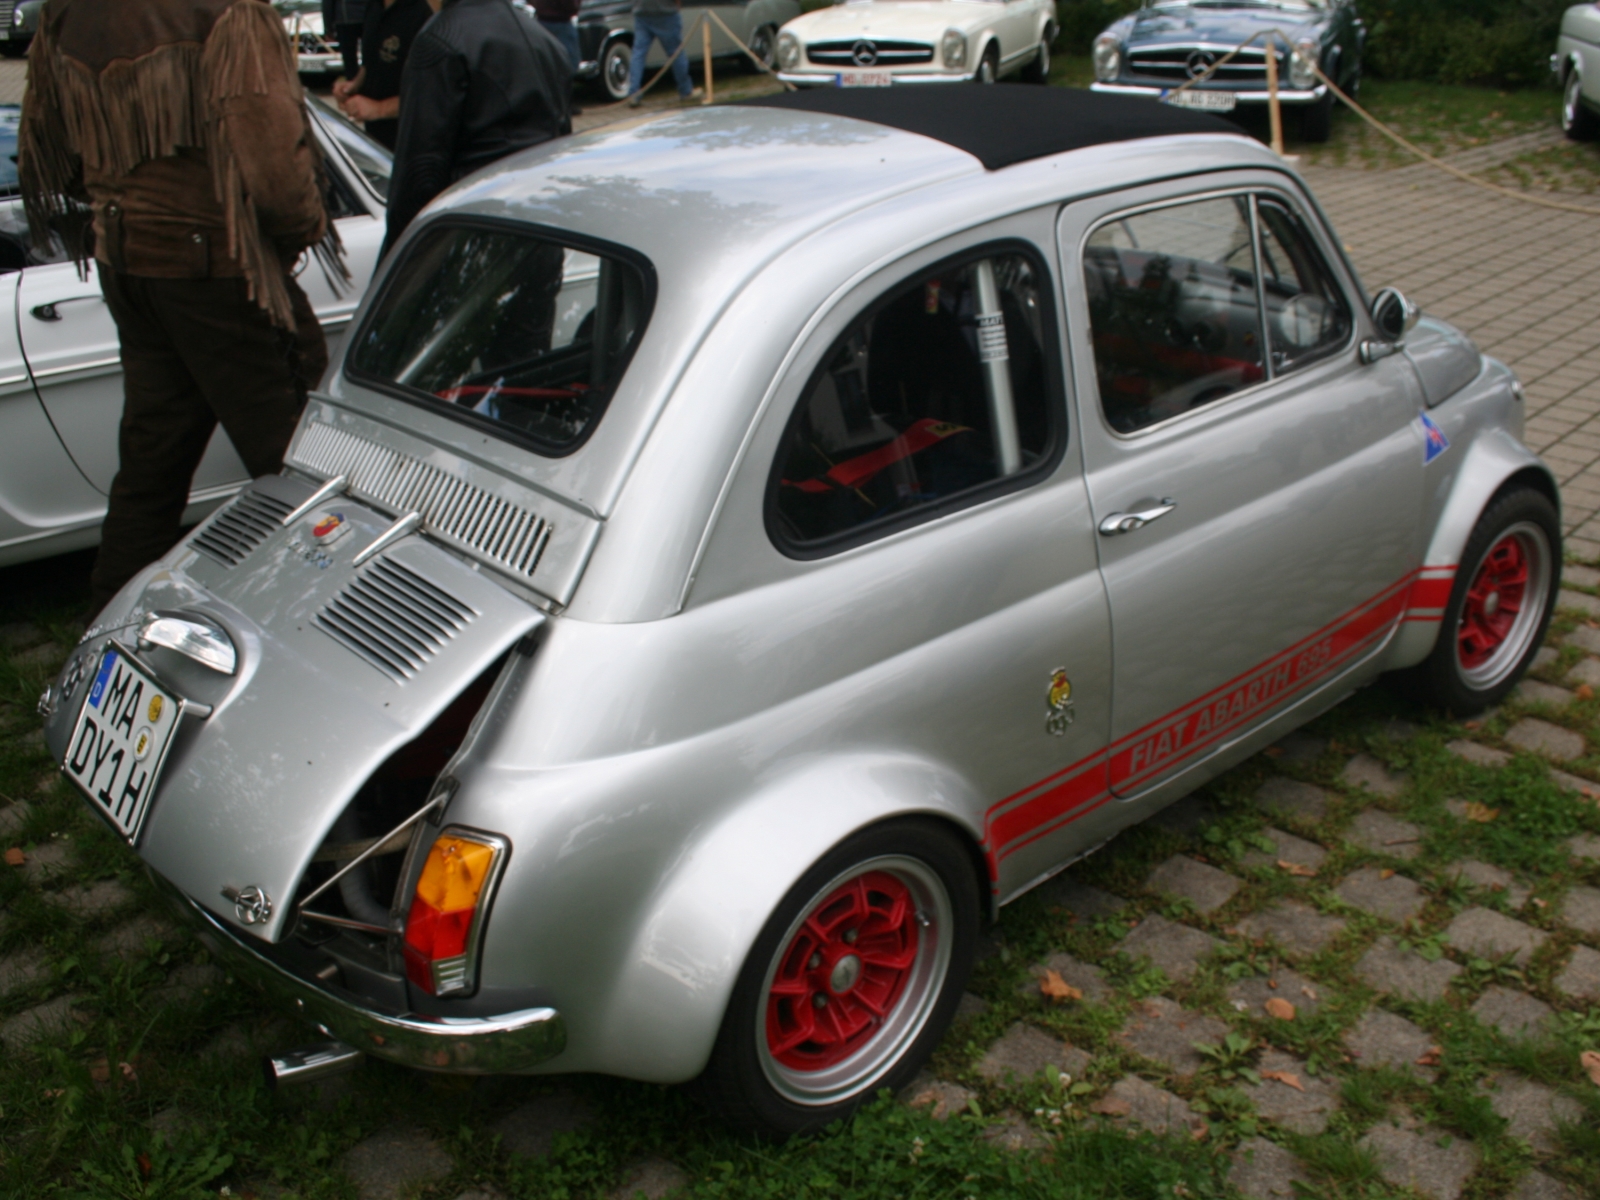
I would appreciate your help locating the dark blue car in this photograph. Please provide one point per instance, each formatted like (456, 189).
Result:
(1169, 42)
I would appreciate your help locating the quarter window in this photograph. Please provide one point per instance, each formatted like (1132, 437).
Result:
(938, 390)
(1182, 316)
(1306, 314)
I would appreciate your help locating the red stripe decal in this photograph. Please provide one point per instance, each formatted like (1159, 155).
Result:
(1166, 743)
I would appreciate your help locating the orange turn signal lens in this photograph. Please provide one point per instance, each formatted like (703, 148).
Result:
(439, 951)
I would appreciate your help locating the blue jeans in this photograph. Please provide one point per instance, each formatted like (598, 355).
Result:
(566, 33)
(668, 30)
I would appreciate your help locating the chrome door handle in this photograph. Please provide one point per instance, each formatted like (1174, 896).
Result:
(51, 311)
(1127, 522)
(1372, 350)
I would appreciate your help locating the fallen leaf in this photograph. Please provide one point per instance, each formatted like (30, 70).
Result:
(1583, 692)
(1386, 873)
(54, 1093)
(1472, 724)
(1287, 1078)
(1481, 813)
(1273, 752)
(1538, 903)
(1200, 1131)
(1110, 1106)
(1591, 1063)
(145, 1166)
(100, 1070)
(1295, 868)
(1591, 623)
(1309, 992)
(15, 857)
(1273, 984)
(1280, 1008)
(128, 1072)
(1057, 988)
(1431, 1058)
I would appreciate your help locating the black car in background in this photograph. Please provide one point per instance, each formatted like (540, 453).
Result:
(1169, 42)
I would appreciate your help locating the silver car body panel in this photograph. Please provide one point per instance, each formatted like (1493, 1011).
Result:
(704, 716)
(1578, 49)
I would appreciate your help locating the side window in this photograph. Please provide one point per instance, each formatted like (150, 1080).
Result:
(940, 388)
(1306, 313)
(1172, 310)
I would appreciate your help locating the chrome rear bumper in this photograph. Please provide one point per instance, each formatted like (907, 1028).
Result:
(503, 1044)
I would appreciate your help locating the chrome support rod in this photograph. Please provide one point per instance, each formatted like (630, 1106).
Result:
(408, 524)
(371, 852)
(336, 486)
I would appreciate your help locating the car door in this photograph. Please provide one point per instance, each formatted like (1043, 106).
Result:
(1257, 487)
(945, 583)
(1015, 28)
(71, 345)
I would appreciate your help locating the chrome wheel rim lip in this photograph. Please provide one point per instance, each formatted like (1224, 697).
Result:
(1499, 665)
(616, 74)
(1569, 101)
(867, 1066)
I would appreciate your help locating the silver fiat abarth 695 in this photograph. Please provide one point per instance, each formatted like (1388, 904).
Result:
(740, 550)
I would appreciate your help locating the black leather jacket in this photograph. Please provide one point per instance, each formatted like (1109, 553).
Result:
(483, 80)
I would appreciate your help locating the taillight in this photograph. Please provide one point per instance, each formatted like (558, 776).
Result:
(445, 925)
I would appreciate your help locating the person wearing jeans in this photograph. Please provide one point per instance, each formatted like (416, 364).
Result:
(657, 21)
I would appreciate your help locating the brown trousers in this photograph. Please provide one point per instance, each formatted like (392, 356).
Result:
(195, 352)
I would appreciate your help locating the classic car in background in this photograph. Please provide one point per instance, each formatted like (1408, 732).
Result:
(664, 669)
(605, 37)
(1169, 42)
(61, 367)
(878, 43)
(1576, 64)
(314, 46)
(19, 20)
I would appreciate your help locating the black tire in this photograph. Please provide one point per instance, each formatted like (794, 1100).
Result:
(988, 66)
(15, 47)
(1316, 120)
(615, 60)
(1577, 122)
(1038, 71)
(759, 1087)
(1452, 677)
(764, 41)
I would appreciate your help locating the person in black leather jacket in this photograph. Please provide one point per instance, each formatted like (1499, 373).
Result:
(484, 80)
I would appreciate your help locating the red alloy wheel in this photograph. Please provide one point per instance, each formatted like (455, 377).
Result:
(1492, 602)
(842, 974)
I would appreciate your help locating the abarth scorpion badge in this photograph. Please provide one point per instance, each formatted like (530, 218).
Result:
(1060, 714)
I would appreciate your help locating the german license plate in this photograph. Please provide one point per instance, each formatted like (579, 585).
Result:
(865, 79)
(1209, 101)
(121, 739)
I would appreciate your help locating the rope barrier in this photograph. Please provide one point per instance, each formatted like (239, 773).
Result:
(683, 44)
(1399, 139)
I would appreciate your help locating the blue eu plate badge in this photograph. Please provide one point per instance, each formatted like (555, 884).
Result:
(1434, 441)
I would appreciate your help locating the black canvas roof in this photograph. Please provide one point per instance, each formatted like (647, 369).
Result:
(1005, 123)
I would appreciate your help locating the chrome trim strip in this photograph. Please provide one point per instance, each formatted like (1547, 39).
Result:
(502, 1044)
(97, 364)
(1285, 95)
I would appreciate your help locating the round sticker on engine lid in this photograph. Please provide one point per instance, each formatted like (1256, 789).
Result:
(328, 527)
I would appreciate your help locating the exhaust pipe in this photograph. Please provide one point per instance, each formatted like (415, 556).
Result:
(305, 1064)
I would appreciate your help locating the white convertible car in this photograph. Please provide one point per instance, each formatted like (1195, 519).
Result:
(61, 367)
(878, 43)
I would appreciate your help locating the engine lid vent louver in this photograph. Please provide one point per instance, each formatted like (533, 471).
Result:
(241, 527)
(394, 618)
(509, 536)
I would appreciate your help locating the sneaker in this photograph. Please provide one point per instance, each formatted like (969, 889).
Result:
(691, 96)
(633, 100)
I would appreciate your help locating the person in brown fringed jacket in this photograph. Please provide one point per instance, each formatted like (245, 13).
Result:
(170, 141)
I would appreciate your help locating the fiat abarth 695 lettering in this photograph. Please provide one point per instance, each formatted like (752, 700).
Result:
(739, 551)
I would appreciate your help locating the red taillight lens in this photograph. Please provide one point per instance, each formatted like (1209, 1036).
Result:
(439, 948)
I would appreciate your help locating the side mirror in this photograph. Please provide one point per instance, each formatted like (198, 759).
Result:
(1393, 314)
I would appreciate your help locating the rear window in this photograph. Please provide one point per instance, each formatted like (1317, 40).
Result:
(507, 327)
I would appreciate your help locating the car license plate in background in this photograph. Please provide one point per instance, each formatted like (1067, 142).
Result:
(865, 79)
(1210, 101)
(121, 739)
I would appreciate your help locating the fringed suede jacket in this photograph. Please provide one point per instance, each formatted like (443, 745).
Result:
(183, 127)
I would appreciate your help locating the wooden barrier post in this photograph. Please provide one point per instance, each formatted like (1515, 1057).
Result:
(1274, 116)
(705, 48)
